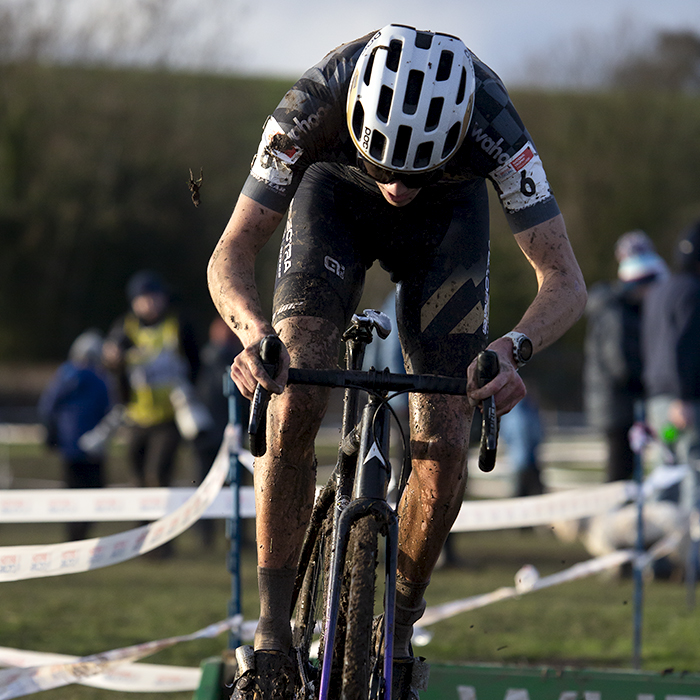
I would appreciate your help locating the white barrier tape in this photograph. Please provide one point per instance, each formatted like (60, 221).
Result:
(495, 514)
(532, 582)
(102, 505)
(111, 505)
(437, 613)
(114, 505)
(36, 561)
(129, 677)
(663, 477)
(17, 683)
(667, 545)
(126, 678)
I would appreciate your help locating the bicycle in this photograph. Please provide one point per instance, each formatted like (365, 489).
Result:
(336, 576)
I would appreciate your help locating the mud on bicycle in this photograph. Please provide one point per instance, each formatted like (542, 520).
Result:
(341, 648)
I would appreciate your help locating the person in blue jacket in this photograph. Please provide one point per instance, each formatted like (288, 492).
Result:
(74, 402)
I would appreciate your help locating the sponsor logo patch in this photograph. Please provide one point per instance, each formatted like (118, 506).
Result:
(276, 153)
(521, 180)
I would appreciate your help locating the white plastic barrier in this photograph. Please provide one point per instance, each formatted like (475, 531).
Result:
(36, 561)
(15, 683)
(111, 505)
(126, 678)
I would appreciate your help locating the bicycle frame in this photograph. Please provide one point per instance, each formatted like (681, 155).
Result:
(369, 486)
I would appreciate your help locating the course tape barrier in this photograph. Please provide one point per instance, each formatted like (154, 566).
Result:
(111, 505)
(15, 683)
(98, 505)
(527, 581)
(21, 562)
(125, 678)
(496, 514)
(102, 505)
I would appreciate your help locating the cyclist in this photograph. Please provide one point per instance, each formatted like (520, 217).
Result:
(381, 152)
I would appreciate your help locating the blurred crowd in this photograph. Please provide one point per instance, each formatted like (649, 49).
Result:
(149, 378)
(642, 367)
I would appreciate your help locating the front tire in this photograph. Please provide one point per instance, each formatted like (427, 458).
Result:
(358, 658)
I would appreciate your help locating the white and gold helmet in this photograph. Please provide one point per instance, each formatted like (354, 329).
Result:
(410, 98)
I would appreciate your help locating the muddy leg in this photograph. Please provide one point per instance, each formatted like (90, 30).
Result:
(285, 477)
(432, 499)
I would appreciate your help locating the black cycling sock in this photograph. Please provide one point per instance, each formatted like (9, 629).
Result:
(275, 587)
(410, 606)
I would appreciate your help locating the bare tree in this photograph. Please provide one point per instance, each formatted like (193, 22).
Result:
(585, 59)
(673, 64)
(174, 34)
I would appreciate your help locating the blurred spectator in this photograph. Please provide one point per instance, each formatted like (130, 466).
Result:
(154, 353)
(671, 347)
(521, 430)
(612, 378)
(74, 402)
(216, 358)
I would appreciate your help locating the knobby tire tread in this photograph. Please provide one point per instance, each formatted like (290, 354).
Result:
(311, 590)
(362, 565)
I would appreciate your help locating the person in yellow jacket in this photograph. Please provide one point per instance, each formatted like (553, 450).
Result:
(153, 351)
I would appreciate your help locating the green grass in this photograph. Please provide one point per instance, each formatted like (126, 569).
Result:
(587, 623)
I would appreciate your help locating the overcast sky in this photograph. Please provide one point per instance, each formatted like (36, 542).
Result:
(283, 38)
(500, 32)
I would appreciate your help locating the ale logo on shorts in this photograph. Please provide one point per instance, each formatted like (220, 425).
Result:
(334, 266)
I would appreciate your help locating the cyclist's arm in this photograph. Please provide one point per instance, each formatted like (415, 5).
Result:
(558, 304)
(231, 277)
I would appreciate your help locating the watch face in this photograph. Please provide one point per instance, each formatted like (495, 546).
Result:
(525, 349)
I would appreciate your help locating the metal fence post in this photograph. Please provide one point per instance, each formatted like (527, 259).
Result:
(637, 566)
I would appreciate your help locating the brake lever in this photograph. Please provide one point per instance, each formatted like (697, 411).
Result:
(487, 368)
(270, 351)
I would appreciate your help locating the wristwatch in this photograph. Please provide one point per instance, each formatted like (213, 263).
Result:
(522, 347)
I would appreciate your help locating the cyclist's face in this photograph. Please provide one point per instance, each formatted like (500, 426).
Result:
(398, 188)
(397, 194)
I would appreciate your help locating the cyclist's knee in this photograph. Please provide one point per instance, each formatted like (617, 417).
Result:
(312, 342)
(447, 453)
(439, 469)
(297, 413)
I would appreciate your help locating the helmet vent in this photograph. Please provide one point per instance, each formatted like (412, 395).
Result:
(376, 145)
(423, 155)
(434, 111)
(358, 119)
(394, 55)
(444, 66)
(424, 40)
(451, 139)
(462, 88)
(386, 95)
(403, 141)
(368, 69)
(413, 89)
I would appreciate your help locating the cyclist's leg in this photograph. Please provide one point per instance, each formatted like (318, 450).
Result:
(441, 317)
(318, 284)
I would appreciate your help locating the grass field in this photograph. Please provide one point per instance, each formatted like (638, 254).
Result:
(587, 623)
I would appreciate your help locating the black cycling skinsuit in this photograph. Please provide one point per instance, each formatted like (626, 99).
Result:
(436, 247)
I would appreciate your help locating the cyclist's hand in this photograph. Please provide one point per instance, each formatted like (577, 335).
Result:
(507, 388)
(247, 371)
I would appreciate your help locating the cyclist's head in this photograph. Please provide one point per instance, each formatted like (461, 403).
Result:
(410, 99)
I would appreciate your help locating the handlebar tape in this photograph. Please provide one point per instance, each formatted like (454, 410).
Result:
(270, 351)
(487, 368)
